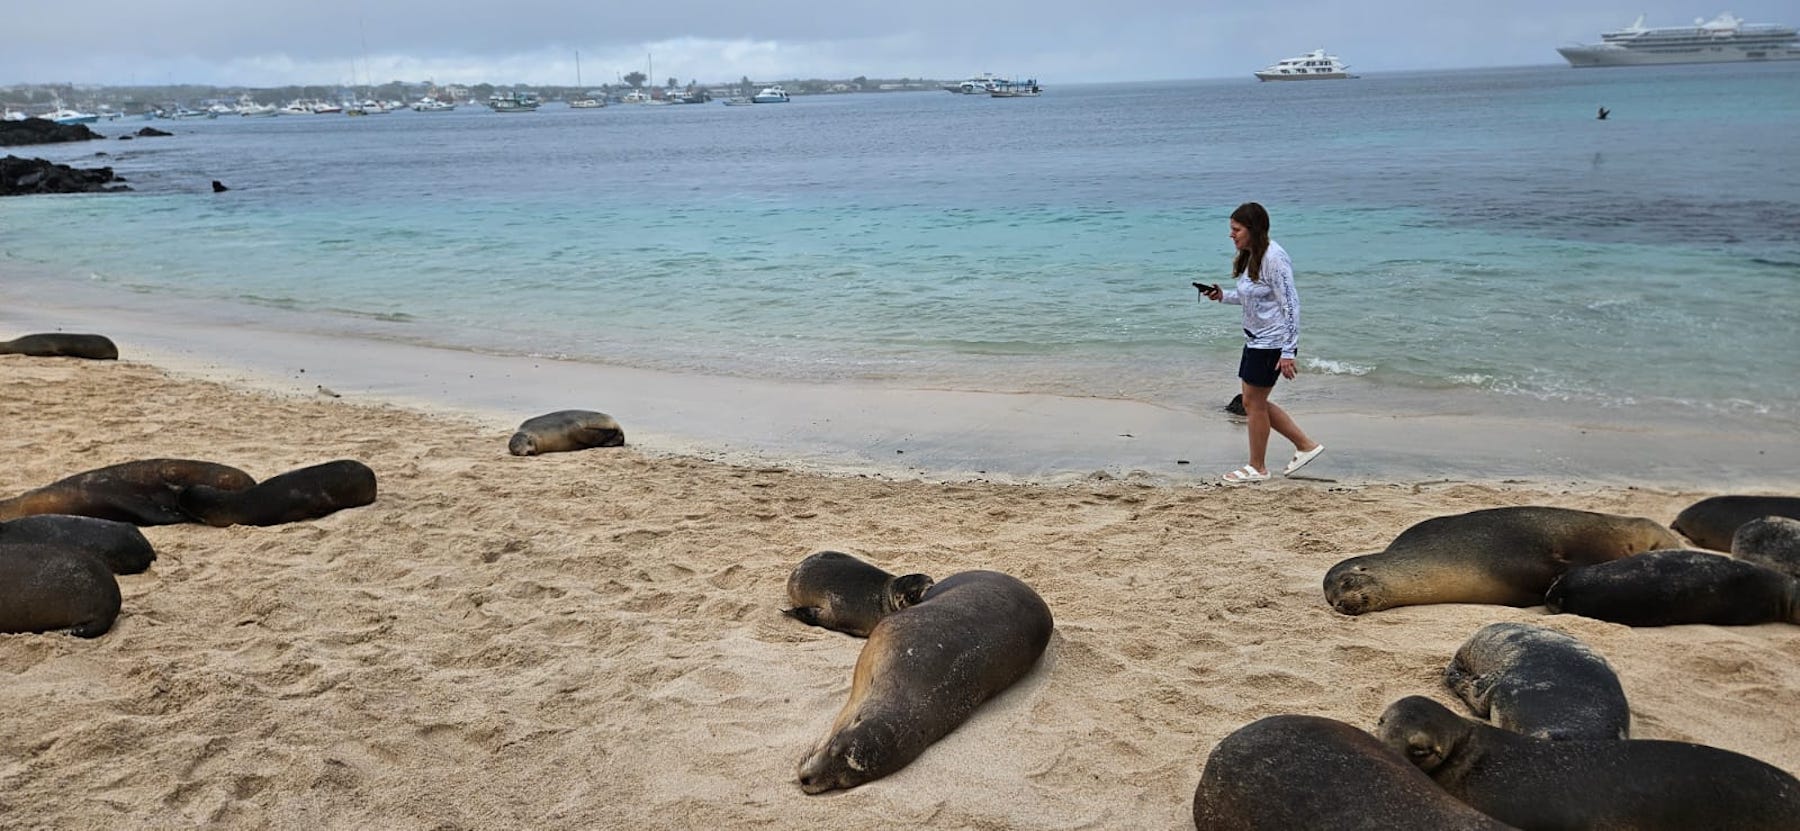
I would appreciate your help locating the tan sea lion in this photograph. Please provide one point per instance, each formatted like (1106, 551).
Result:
(142, 492)
(307, 493)
(1293, 773)
(1711, 522)
(837, 591)
(1684, 585)
(1772, 541)
(1539, 682)
(924, 669)
(118, 544)
(565, 430)
(46, 588)
(1638, 784)
(62, 345)
(1503, 556)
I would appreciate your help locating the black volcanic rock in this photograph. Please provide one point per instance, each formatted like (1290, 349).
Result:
(42, 131)
(24, 176)
(152, 131)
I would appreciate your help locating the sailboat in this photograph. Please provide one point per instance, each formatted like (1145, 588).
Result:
(585, 101)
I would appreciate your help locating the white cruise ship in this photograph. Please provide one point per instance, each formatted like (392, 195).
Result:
(1724, 39)
(1312, 66)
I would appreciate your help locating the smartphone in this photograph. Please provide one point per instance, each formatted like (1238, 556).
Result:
(1206, 288)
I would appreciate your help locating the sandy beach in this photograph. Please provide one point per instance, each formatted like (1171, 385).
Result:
(594, 639)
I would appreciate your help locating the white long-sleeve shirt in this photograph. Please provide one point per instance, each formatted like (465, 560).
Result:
(1271, 305)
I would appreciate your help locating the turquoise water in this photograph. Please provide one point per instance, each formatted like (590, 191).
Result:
(1476, 230)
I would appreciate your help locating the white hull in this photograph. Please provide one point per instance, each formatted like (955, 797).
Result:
(1328, 76)
(1603, 55)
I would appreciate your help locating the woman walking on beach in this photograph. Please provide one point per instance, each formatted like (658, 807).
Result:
(1265, 288)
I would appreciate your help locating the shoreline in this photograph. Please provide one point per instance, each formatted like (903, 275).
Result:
(869, 428)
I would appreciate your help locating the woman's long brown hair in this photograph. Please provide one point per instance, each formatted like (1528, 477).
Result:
(1255, 220)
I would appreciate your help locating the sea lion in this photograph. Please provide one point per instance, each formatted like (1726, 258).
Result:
(46, 588)
(307, 493)
(1288, 773)
(924, 669)
(62, 345)
(142, 492)
(1641, 784)
(838, 591)
(1711, 522)
(1669, 588)
(1772, 541)
(1504, 556)
(565, 430)
(118, 544)
(1539, 682)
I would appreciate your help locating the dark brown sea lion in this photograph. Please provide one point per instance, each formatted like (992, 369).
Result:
(1294, 773)
(565, 430)
(924, 669)
(46, 588)
(1711, 522)
(1539, 682)
(307, 493)
(1637, 784)
(62, 345)
(118, 544)
(1772, 541)
(142, 492)
(838, 591)
(1503, 556)
(1669, 588)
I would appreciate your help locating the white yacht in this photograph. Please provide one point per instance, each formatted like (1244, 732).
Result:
(64, 115)
(977, 85)
(1312, 66)
(430, 104)
(771, 95)
(1724, 39)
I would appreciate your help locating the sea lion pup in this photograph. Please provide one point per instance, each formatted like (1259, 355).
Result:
(1669, 588)
(62, 345)
(565, 430)
(1503, 556)
(1292, 773)
(1640, 784)
(307, 493)
(142, 492)
(1711, 522)
(118, 544)
(1773, 541)
(924, 669)
(46, 588)
(1539, 682)
(838, 591)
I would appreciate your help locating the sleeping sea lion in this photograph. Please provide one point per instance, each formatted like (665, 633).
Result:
(1539, 682)
(1287, 773)
(838, 591)
(1640, 784)
(1772, 541)
(1669, 588)
(1711, 522)
(45, 588)
(1504, 556)
(141, 492)
(307, 493)
(118, 544)
(924, 669)
(565, 430)
(62, 345)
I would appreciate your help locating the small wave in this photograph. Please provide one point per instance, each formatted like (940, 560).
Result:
(1329, 367)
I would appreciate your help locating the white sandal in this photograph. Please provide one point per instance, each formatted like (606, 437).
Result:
(1301, 458)
(1245, 475)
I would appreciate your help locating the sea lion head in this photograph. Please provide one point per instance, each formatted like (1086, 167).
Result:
(849, 757)
(1351, 588)
(1425, 732)
(522, 444)
(908, 590)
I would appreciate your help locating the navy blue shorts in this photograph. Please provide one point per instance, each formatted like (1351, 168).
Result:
(1258, 367)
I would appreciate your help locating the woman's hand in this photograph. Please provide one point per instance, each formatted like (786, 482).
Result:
(1286, 367)
(1213, 293)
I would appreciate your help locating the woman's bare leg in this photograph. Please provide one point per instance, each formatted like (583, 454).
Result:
(1285, 425)
(1256, 409)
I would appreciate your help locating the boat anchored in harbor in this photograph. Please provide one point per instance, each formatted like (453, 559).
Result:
(1724, 39)
(513, 102)
(771, 95)
(1312, 66)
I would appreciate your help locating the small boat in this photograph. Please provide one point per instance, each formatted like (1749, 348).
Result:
(1015, 89)
(13, 115)
(589, 103)
(738, 101)
(326, 108)
(428, 104)
(976, 85)
(64, 115)
(772, 94)
(1312, 66)
(513, 102)
(257, 110)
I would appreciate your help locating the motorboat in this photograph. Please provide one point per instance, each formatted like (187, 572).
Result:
(587, 103)
(1312, 66)
(64, 115)
(1724, 39)
(513, 102)
(257, 110)
(13, 115)
(1015, 89)
(738, 101)
(772, 94)
(976, 85)
(429, 104)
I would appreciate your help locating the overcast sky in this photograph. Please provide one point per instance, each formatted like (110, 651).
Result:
(265, 43)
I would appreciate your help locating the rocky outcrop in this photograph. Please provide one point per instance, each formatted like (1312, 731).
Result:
(22, 176)
(152, 131)
(42, 131)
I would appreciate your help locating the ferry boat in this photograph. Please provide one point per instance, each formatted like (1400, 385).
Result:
(976, 85)
(1312, 66)
(1724, 39)
(513, 102)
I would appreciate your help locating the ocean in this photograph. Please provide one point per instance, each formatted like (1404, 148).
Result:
(1479, 232)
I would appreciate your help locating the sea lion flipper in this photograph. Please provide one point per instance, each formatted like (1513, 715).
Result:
(808, 615)
(202, 502)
